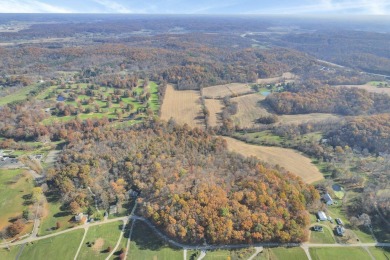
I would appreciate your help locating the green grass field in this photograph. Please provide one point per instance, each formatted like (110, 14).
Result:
(17, 96)
(145, 244)
(238, 254)
(325, 237)
(352, 253)
(380, 253)
(54, 215)
(14, 189)
(294, 253)
(108, 232)
(217, 255)
(58, 247)
(9, 255)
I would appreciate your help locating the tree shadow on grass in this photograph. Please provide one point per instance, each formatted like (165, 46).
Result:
(145, 238)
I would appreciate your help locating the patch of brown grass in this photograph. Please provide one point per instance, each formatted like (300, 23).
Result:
(249, 110)
(287, 76)
(184, 106)
(289, 159)
(232, 89)
(215, 107)
(368, 87)
(99, 243)
(304, 118)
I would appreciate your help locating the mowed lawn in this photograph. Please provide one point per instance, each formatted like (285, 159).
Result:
(289, 159)
(109, 233)
(20, 94)
(146, 245)
(11, 254)
(324, 237)
(183, 106)
(15, 187)
(281, 253)
(352, 253)
(380, 253)
(59, 247)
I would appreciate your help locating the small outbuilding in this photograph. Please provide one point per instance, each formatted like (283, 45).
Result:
(340, 230)
(322, 216)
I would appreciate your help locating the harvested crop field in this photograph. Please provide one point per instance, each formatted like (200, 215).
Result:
(215, 107)
(184, 106)
(232, 89)
(287, 76)
(369, 88)
(289, 159)
(300, 119)
(249, 109)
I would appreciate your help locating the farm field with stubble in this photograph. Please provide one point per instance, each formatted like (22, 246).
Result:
(232, 89)
(289, 159)
(215, 107)
(183, 106)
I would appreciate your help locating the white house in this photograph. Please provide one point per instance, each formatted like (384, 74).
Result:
(322, 216)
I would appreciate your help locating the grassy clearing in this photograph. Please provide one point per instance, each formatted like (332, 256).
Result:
(313, 117)
(215, 107)
(325, 237)
(16, 96)
(54, 214)
(370, 88)
(281, 253)
(107, 233)
(11, 254)
(58, 247)
(238, 254)
(287, 158)
(352, 253)
(232, 89)
(217, 255)
(250, 108)
(15, 188)
(184, 106)
(145, 244)
(380, 253)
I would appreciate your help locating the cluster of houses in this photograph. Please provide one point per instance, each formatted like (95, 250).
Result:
(340, 230)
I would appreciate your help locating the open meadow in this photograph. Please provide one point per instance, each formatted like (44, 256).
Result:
(249, 110)
(289, 159)
(287, 76)
(215, 107)
(370, 87)
(183, 106)
(304, 118)
(227, 90)
(344, 253)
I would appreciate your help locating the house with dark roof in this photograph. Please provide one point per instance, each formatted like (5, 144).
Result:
(328, 199)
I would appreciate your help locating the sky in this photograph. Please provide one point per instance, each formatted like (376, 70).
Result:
(309, 7)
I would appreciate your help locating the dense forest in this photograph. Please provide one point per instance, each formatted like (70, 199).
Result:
(190, 185)
(368, 132)
(343, 101)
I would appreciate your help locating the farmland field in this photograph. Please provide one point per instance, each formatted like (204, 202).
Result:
(288, 76)
(287, 158)
(184, 106)
(370, 87)
(232, 89)
(215, 107)
(299, 119)
(249, 109)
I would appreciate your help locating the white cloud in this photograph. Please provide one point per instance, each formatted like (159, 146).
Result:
(30, 6)
(113, 7)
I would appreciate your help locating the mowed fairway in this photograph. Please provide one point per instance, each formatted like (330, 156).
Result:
(249, 110)
(287, 158)
(232, 89)
(183, 106)
(215, 107)
(58, 247)
(352, 253)
(369, 88)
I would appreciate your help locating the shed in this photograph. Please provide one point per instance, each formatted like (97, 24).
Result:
(340, 230)
(322, 216)
(328, 199)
